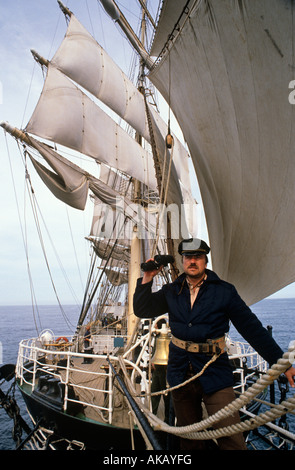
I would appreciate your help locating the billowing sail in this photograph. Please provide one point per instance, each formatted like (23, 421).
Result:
(229, 67)
(83, 60)
(65, 115)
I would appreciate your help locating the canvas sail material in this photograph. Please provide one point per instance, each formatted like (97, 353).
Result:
(168, 19)
(86, 128)
(104, 249)
(65, 115)
(83, 60)
(68, 182)
(116, 278)
(232, 104)
(116, 222)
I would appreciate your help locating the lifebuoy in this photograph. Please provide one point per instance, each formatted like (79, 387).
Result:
(62, 339)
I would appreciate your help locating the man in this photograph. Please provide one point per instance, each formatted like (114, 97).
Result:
(200, 307)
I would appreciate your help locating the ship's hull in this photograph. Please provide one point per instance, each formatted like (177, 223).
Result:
(85, 433)
(68, 429)
(77, 398)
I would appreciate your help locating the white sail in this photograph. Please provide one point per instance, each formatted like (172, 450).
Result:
(229, 72)
(65, 115)
(68, 182)
(83, 60)
(116, 221)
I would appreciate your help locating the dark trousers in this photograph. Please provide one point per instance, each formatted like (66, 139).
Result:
(158, 384)
(188, 410)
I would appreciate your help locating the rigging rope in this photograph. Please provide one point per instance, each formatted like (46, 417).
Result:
(74, 247)
(86, 305)
(35, 208)
(160, 169)
(33, 297)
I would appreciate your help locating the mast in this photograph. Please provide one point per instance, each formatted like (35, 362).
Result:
(114, 12)
(135, 254)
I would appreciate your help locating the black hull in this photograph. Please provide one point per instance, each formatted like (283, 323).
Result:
(95, 436)
(45, 405)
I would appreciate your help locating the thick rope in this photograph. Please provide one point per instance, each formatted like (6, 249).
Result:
(194, 431)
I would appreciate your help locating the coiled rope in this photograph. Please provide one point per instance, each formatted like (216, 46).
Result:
(196, 430)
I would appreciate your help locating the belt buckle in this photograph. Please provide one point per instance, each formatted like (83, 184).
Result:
(204, 348)
(188, 344)
(211, 346)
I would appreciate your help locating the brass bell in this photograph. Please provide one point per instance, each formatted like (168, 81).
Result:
(161, 354)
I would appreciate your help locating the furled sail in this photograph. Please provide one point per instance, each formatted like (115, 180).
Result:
(105, 249)
(68, 182)
(230, 64)
(116, 278)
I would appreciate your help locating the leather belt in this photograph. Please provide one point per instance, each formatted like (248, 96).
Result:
(212, 346)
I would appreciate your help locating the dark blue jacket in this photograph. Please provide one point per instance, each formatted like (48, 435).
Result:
(216, 305)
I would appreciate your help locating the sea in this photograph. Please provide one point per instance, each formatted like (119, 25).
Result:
(22, 322)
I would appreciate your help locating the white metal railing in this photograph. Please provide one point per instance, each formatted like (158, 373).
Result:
(241, 351)
(30, 363)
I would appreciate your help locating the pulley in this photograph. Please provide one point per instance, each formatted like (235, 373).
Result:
(169, 141)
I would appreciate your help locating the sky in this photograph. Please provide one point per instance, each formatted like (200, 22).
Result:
(40, 25)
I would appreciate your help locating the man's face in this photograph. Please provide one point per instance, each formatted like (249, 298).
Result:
(194, 265)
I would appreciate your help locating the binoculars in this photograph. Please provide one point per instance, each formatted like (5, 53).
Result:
(159, 260)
